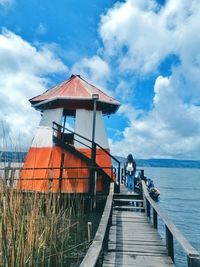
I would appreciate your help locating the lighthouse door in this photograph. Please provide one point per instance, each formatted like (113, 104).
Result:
(68, 121)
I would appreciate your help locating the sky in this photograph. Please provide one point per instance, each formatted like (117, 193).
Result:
(144, 53)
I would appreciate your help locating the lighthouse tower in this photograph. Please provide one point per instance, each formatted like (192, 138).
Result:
(70, 140)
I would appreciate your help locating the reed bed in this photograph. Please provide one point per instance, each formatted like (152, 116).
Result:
(38, 230)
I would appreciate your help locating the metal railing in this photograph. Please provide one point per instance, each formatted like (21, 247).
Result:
(61, 133)
(10, 176)
(193, 257)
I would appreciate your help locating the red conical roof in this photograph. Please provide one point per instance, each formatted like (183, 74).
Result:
(73, 94)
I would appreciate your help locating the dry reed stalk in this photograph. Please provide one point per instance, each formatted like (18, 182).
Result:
(34, 230)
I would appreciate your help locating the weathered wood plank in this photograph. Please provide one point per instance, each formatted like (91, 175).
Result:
(138, 238)
(154, 248)
(127, 259)
(131, 208)
(124, 214)
(128, 200)
(132, 226)
(133, 219)
(140, 229)
(133, 241)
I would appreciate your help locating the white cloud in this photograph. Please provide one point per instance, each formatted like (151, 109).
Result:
(17, 54)
(93, 69)
(6, 2)
(24, 74)
(124, 92)
(131, 32)
(184, 117)
(139, 36)
(171, 129)
(130, 112)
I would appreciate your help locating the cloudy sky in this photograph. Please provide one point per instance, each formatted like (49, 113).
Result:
(145, 53)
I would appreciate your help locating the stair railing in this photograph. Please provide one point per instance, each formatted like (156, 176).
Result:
(59, 133)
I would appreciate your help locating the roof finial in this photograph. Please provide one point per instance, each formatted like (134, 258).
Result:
(73, 76)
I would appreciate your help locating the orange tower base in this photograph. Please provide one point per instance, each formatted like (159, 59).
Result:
(42, 171)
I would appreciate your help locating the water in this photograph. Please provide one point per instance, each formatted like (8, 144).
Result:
(78, 245)
(180, 199)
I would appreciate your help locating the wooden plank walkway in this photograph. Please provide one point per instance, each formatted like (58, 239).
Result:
(132, 239)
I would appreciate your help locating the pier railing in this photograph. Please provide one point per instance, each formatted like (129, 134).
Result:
(10, 175)
(95, 249)
(172, 232)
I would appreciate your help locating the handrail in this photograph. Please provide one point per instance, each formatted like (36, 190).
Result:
(95, 248)
(12, 174)
(64, 128)
(55, 168)
(96, 168)
(171, 231)
(85, 138)
(107, 153)
(91, 142)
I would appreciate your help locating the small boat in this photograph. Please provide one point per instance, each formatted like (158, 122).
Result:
(153, 191)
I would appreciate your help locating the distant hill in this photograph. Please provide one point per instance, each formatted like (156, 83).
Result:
(170, 163)
(8, 156)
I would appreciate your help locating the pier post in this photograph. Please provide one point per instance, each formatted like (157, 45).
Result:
(61, 172)
(95, 190)
(142, 174)
(155, 219)
(169, 243)
(119, 176)
(95, 98)
(193, 261)
(89, 232)
(148, 209)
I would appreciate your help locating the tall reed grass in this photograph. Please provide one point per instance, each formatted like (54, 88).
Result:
(36, 230)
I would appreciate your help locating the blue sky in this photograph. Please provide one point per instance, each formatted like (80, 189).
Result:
(145, 53)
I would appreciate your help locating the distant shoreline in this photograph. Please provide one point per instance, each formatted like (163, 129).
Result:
(9, 156)
(166, 163)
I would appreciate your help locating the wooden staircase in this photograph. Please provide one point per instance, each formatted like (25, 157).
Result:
(60, 140)
(129, 205)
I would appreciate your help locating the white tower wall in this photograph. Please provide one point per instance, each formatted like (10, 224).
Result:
(84, 124)
(43, 137)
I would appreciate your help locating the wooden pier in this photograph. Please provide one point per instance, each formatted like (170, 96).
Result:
(128, 234)
(128, 231)
(133, 241)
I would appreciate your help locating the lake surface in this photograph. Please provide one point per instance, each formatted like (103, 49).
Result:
(180, 199)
